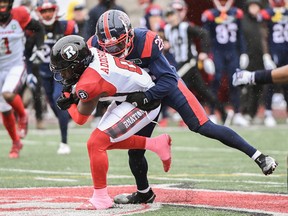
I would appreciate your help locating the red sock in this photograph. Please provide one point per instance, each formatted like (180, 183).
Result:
(18, 106)
(10, 125)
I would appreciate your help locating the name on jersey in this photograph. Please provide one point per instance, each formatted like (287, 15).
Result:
(104, 66)
(133, 118)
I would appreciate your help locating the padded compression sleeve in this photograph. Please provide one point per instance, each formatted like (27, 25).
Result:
(76, 116)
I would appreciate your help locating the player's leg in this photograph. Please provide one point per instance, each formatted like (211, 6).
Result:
(9, 123)
(13, 81)
(112, 135)
(63, 120)
(196, 119)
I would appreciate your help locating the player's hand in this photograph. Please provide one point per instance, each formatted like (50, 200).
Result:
(139, 100)
(244, 61)
(38, 56)
(64, 103)
(209, 66)
(31, 81)
(243, 77)
(268, 62)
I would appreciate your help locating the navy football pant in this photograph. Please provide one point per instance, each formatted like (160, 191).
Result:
(193, 114)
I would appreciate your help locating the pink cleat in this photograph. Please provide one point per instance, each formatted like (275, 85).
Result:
(16, 147)
(99, 201)
(86, 206)
(164, 151)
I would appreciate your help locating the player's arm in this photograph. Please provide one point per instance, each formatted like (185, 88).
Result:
(278, 75)
(38, 30)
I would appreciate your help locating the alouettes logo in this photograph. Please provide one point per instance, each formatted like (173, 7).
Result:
(69, 52)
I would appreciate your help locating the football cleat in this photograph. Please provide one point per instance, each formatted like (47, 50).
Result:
(266, 163)
(135, 198)
(63, 149)
(86, 206)
(16, 147)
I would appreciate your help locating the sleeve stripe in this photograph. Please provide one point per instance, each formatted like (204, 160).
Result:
(148, 44)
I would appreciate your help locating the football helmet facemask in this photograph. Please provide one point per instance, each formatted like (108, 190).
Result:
(70, 56)
(115, 33)
(5, 9)
(47, 11)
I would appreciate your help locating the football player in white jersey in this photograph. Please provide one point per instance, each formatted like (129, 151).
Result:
(100, 76)
(13, 22)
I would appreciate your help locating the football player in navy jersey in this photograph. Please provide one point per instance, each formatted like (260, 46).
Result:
(228, 48)
(114, 34)
(47, 11)
(276, 17)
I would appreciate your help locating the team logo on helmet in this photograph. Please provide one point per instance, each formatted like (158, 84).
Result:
(69, 52)
(124, 18)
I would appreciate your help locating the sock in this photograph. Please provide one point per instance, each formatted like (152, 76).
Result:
(10, 124)
(101, 199)
(18, 106)
(256, 155)
(144, 191)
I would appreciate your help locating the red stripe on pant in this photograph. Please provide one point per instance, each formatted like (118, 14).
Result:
(193, 103)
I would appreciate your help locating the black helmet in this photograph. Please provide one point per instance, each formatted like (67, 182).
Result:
(6, 11)
(115, 33)
(70, 53)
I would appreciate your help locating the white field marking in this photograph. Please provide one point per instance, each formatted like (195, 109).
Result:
(55, 179)
(244, 210)
(267, 184)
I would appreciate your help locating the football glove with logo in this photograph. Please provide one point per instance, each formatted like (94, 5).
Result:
(64, 103)
(139, 100)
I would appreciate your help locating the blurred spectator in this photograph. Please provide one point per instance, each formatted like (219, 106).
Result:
(97, 11)
(181, 36)
(277, 22)
(228, 48)
(77, 11)
(255, 34)
(47, 11)
(153, 15)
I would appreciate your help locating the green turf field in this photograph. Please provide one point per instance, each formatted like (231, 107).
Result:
(198, 162)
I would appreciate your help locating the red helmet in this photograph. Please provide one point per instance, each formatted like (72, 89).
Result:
(115, 33)
(223, 5)
(5, 9)
(277, 3)
(46, 5)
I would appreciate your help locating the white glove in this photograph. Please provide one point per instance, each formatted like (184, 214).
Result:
(244, 61)
(268, 62)
(31, 81)
(38, 56)
(209, 66)
(243, 77)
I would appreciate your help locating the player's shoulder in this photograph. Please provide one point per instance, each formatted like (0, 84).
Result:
(209, 14)
(21, 14)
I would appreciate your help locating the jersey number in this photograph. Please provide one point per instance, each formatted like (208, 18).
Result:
(226, 33)
(280, 33)
(4, 46)
(126, 65)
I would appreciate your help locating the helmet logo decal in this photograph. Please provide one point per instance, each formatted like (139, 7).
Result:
(69, 52)
(83, 94)
(125, 20)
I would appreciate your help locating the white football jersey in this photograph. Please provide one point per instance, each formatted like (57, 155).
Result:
(12, 39)
(115, 76)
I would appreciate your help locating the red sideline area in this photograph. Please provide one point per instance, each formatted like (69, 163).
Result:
(256, 202)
